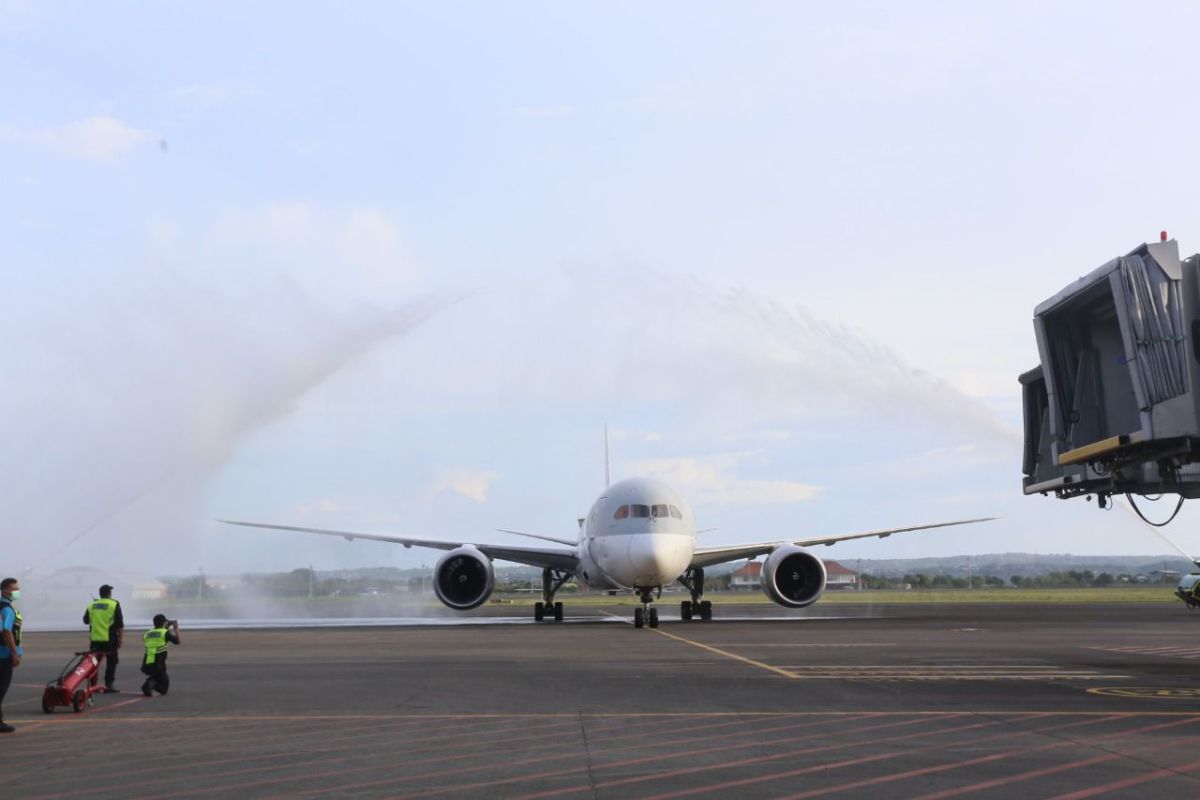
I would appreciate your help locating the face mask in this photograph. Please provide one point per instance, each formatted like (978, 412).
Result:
(15, 595)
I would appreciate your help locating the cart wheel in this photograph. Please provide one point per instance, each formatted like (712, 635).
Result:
(78, 700)
(47, 706)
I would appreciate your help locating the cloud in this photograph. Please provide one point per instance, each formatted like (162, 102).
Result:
(198, 96)
(99, 138)
(472, 484)
(711, 481)
(21, 15)
(545, 112)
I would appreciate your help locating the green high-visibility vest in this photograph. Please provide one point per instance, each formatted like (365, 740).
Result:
(156, 642)
(101, 614)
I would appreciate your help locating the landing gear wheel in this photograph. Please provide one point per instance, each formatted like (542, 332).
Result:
(639, 617)
(685, 610)
(78, 701)
(539, 611)
(654, 618)
(558, 614)
(706, 610)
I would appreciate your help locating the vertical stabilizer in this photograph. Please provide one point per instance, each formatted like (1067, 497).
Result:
(607, 476)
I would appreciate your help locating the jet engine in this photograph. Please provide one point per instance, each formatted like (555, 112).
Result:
(463, 578)
(793, 577)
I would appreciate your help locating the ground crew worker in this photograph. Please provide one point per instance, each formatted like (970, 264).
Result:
(10, 641)
(155, 663)
(107, 626)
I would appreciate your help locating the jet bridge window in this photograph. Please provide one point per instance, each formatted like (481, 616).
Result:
(639, 511)
(621, 513)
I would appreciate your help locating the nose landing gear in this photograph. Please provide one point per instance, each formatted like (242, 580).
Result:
(646, 614)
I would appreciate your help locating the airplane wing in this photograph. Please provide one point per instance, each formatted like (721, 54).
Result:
(560, 558)
(554, 539)
(707, 556)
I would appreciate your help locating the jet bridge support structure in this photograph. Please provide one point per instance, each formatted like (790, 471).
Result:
(1114, 405)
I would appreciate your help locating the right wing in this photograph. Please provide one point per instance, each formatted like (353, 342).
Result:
(708, 556)
(559, 558)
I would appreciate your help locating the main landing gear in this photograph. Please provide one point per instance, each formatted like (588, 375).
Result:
(693, 581)
(552, 581)
(646, 614)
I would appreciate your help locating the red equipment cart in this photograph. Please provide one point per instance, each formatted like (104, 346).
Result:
(76, 685)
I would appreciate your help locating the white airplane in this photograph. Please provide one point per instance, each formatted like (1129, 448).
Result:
(639, 536)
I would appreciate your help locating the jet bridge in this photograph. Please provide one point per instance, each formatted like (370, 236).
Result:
(1114, 406)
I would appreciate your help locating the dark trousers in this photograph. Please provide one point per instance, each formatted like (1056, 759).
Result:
(111, 659)
(156, 677)
(6, 669)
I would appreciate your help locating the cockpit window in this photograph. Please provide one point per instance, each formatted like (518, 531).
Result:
(675, 512)
(639, 511)
(621, 512)
(659, 511)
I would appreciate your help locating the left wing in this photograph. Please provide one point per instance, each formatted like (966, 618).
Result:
(707, 556)
(560, 558)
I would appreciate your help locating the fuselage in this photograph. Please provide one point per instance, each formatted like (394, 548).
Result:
(639, 534)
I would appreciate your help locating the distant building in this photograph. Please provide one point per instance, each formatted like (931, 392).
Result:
(82, 583)
(840, 577)
(749, 576)
(1165, 575)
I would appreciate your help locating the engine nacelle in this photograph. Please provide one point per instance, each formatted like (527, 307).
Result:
(793, 577)
(463, 578)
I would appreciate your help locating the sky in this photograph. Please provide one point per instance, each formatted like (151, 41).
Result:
(393, 267)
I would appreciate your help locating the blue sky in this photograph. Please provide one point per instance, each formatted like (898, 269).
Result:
(393, 266)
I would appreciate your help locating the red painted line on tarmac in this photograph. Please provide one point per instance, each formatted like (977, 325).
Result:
(805, 770)
(423, 736)
(1038, 773)
(66, 720)
(234, 739)
(537, 760)
(382, 747)
(667, 757)
(380, 782)
(971, 762)
(763, 760)
(389, 746)
(1134, 781)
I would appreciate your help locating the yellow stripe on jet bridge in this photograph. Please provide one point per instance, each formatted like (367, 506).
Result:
(1090, 451)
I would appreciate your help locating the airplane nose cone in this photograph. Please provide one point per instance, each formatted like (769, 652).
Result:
(657, 558)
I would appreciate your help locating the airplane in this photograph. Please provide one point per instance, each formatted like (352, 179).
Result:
(639, 536)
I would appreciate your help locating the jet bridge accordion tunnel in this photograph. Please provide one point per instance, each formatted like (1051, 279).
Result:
(1114, 406)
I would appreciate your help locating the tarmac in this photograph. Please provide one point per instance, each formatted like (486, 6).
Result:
(984, 701)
